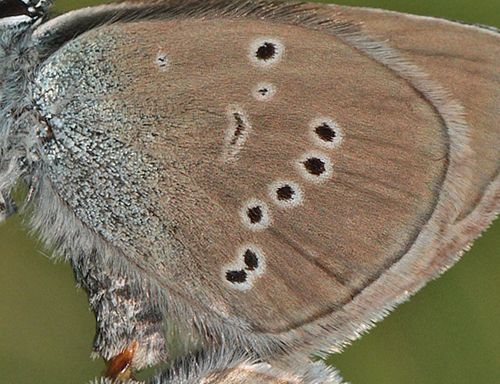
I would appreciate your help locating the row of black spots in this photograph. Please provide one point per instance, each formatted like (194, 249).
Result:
(265, 52)
(237, 134)
(316, 166)
(255, 213)
(249, 265)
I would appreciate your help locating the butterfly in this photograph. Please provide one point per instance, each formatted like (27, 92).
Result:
(156, 229)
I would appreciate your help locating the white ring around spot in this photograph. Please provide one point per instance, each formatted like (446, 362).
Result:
(258, 94)
(257, 43)
(296, 199)
(309, 176)
(266, 217)
(337, 140)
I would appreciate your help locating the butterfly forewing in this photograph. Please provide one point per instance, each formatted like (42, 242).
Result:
(282, 171)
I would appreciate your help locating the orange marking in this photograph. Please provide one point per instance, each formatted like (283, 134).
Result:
(119, 367)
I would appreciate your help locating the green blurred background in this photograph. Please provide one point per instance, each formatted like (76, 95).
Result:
(448, 333)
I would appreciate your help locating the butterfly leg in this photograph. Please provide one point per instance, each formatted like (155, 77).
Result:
(130, 332)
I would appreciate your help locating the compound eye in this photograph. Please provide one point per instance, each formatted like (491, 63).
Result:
(16, 8)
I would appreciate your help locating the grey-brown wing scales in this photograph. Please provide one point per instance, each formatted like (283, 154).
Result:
(452, 55)
(344, 170)
(296, 179)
